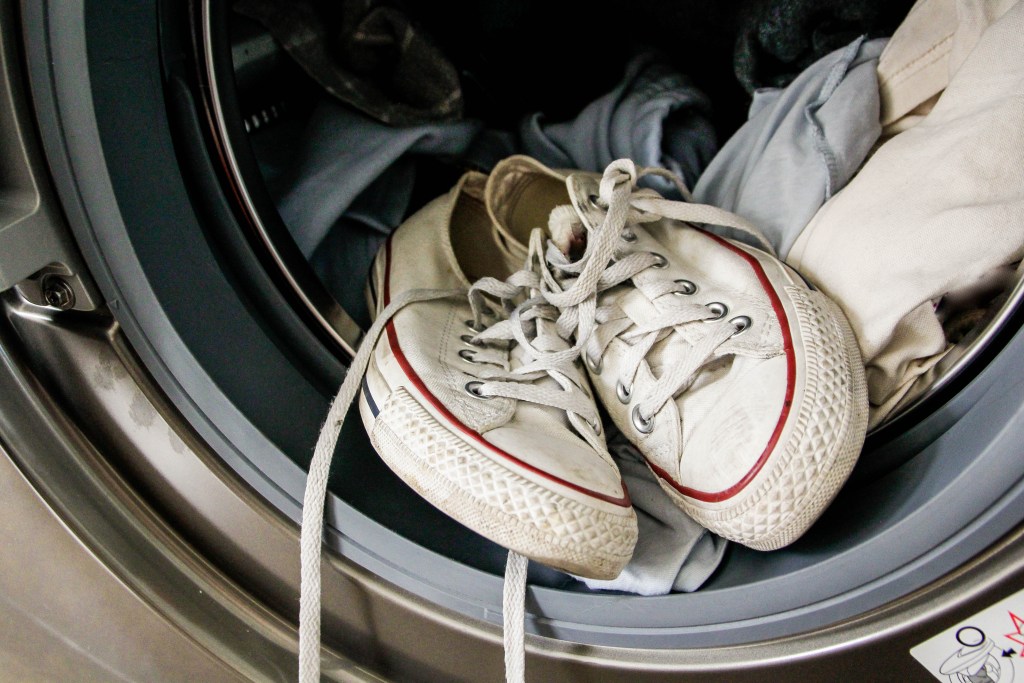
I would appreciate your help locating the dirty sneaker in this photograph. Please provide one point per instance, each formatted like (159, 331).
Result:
(488, 413)
(741, 385)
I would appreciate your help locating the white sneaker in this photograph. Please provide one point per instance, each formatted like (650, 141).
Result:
(489, 415)
(741, 385)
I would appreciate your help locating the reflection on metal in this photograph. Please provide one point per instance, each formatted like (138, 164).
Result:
(57, 287)
(140, 491)
(57, 293)
(294, 269)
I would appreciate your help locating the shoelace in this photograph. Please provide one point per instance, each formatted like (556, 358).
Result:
(609, 261)
(533, 330)
(530, 325)
(313, 499)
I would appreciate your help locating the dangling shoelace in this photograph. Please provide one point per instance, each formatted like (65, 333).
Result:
(607, 261)
(529, 325)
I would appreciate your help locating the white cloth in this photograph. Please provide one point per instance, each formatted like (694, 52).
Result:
(937, 209)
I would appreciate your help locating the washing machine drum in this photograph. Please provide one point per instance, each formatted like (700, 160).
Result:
(153, 119)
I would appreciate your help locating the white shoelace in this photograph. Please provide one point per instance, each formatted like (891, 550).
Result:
(609, 260)
(513, 607)
(529, 325)
(311, 535)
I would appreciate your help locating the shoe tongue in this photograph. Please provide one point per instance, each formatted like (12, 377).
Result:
(520, 194)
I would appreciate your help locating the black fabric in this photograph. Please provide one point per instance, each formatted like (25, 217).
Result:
(367, 53)
(780, 38)
(517, 58)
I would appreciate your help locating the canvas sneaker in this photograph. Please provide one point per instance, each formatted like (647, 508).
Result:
(477, 402)
(740, 384)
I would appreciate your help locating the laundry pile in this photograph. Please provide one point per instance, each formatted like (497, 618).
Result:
(580, 359)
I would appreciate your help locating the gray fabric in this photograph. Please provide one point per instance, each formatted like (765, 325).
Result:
(342, 259)
(673, 553)
(353, 174)
(350, 179)
(800, 145)
(654, 116)
(350, 183)
(342, 154)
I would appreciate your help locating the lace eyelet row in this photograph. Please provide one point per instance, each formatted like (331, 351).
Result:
(742, 323)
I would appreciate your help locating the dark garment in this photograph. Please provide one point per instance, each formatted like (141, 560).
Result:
(343, 181)
(365, 53)
(781, 38)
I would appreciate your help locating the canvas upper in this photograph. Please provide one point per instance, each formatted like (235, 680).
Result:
(483, 411)
(741, 385)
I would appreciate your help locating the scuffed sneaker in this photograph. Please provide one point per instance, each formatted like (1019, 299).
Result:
(488, 413)
(740, 384)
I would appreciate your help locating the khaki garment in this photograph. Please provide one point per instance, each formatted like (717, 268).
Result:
(929, 46)
(937, 209)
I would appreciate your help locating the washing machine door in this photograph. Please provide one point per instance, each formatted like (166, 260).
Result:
(167, 359)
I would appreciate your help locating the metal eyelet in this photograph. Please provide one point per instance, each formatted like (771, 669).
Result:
(596, 426)
(473, 389)
(594, 366)
(644, 425)
(742, 323)
(661, 262)
(468, 339)
(687, 288)
(469, 357)
(472, 326)
(623, 392)
(594, 201)
(718, 308)
(629, 236)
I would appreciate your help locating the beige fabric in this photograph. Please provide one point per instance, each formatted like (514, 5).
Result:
(936, 209)
(925, 51)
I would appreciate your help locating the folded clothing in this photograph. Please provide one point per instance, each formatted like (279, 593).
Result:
(928, 47)
(654, 116)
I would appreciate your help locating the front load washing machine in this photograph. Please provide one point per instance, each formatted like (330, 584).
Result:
(167, 357)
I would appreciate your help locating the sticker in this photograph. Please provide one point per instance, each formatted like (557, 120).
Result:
(985, 648)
